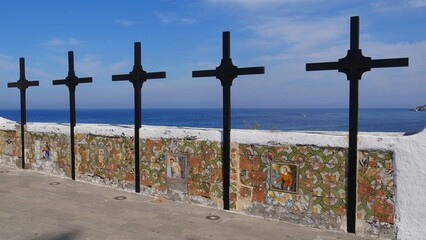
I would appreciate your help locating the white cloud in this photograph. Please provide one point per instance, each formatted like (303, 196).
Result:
(7, 63)
(168, 17)
(417, 3)
(118, 67)
(55, 42)
(124, 22)
(396, 5)
(38, 73)
(256, 3)
(89, 65)
(211, 65)
(300, 35)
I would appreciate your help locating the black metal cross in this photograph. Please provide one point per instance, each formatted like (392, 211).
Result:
(23, 84)
(354, 65)
(72, 81)
(226, 72)
(137, 77)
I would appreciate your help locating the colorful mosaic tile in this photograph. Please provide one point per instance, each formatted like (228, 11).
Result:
(280, 198)
(284, 177)
(259, 194)
(302, 203)
(199, 188)
(259, 179)
(338, 206)
(10, 144)
(321, 205)
(216, 190)
(305, 186)
(376, 187)
(48, 147)
(106, 157)
(321, 174)
(246, 178)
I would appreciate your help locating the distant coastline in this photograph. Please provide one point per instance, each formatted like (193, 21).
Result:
(419, 108)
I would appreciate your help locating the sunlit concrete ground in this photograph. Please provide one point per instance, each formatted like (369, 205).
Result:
(38, 206)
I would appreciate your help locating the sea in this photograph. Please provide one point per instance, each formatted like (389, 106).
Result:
(370, 119)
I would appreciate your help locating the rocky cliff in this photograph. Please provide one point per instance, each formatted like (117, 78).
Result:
(419, 108)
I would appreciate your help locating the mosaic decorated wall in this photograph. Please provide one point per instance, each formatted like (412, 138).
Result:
(10, 149)
(48, 152)
(304, 182)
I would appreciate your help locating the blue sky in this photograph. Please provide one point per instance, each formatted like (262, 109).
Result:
(181, 36)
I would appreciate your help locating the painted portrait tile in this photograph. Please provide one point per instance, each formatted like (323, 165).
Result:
(45, 150)
(283, 177)
(176, 165)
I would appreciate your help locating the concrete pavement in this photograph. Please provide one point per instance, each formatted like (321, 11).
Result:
(39, 206)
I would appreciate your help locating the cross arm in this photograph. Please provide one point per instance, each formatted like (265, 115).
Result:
(322, 66)
(59, 82)
(155, 75)
(391, 62)
(25, 84)
(32, 83)
(85, 80)
(120, 77)
(251, 70)
(12, 84)
(204, 73)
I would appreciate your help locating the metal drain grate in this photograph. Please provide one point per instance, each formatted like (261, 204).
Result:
(4, 171)
(120, 198)
(213, 217)
(54, 183)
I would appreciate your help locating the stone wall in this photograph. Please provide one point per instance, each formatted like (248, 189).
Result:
(290, 176)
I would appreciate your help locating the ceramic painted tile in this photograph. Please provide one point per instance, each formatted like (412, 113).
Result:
(280, 198)
(259, 194)
(384, 211)
(176, 166)
(211, 148)
(284, 177)
(246, 149)
(245, 192)
(362, 159)
(366, 197)
(233, 187)
(199, 174)
(190, 146)
(216, 175)
(337, 206)
(337, 190)
(216, 161)
(246, 163)
(47, 147)
(321, 183)
(321, 190)
(305, 170)
(245, 178)
(385, 176)
(216, 190)
(301, 203)
(9, 143)
(321, 205)
(317, 165)
(284, 154)
(259, 179)
(199, 188)
(195, 160)
(106, 157)
(367, 175)
(205, 161)
(305, 186)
